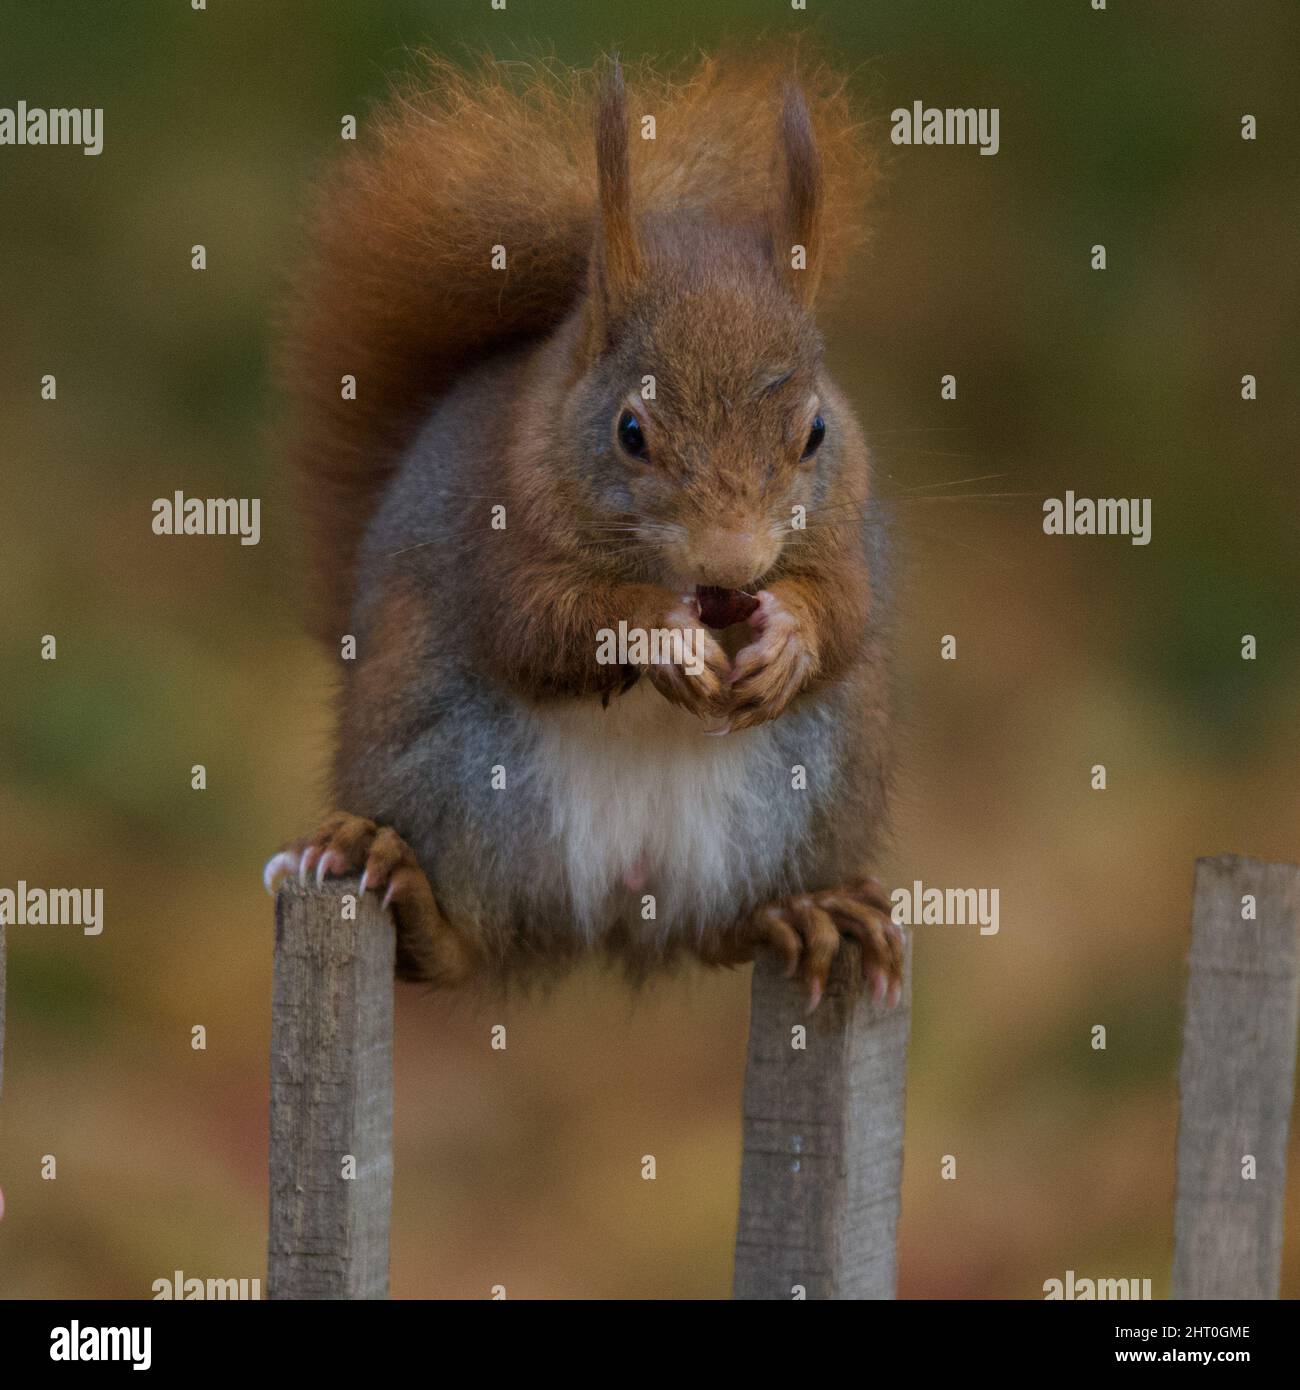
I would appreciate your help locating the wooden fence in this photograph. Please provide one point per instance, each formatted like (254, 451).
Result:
(822, 1163)
(1236, 1080)
(823, 1107)
(331, 1095)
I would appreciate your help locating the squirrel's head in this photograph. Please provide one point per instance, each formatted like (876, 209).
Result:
(698, 415)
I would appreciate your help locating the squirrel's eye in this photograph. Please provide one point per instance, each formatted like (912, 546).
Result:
(630, 436)
(815, 437)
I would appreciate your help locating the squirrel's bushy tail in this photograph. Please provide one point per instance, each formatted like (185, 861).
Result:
(400, 291)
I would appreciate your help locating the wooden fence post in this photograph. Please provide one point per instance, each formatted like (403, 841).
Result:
(1236, 1080)
(331, 1095)
(823, 1139)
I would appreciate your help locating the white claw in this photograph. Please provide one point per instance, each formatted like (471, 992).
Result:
(305, 866)
(278, 866)
(362, 889)
(322, 864)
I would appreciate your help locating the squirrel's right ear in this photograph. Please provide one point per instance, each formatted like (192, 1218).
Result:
(616, 265)
(796, 221)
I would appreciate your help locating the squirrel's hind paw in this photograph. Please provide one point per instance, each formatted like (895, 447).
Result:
(807, 929)
(427, 948)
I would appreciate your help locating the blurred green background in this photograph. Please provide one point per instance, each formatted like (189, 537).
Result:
(522, 1168)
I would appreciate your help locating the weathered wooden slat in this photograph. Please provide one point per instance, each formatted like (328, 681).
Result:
(1236, 1080)
(823, 1140)
(331, 1095)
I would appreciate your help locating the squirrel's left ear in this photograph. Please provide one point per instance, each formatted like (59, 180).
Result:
(616, 265)
(796, 218)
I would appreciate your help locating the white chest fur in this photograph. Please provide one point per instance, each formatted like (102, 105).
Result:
(643, 802)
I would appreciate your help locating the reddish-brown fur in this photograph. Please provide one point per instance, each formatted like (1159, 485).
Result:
(400, 293)
(695, 256)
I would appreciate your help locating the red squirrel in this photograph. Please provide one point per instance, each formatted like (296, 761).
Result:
(551, 381)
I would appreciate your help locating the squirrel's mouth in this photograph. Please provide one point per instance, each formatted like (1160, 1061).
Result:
(721, 608)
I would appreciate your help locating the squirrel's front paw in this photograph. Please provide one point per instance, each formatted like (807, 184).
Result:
(698, 683)
(774, 668)
(427, 948)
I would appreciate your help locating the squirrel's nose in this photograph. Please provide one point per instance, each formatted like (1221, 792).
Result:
(729, 559)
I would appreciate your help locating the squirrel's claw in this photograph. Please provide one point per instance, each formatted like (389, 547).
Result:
(279, 867)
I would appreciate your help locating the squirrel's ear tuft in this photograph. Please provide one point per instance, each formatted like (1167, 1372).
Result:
(616, 263)
(796, 239)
